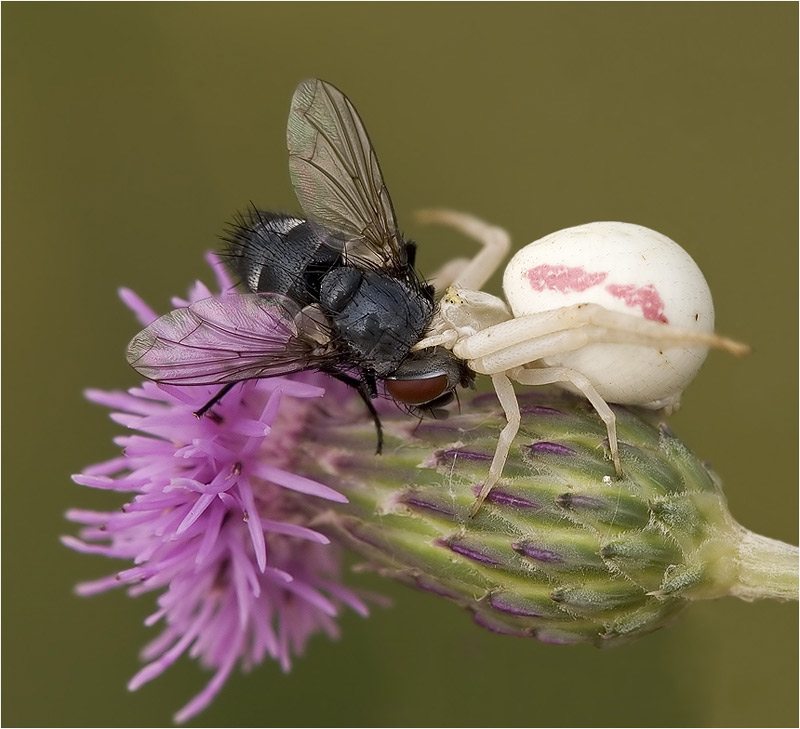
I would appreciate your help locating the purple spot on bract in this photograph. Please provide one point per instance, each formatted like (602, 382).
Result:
(485, 398)
(494, 627)
(539, 410)
(422, 504)
(540, 554)
(425, 584)
(468, 552)
(457, 453)
(498, 602)
(554, 448)
(362, 535)
(506, 499)
(578, 501)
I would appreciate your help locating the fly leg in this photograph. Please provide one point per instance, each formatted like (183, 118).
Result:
(367, 389)
(224, 390)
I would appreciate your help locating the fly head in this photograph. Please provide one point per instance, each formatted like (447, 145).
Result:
(426, 381)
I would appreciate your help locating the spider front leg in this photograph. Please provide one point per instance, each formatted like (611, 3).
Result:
(563, 375)
(629, 360)
(468, 273)
(508, 401)
(534, 336)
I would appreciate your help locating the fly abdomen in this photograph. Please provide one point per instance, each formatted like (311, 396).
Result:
(281, 254)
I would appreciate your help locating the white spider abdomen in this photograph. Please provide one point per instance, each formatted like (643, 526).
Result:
(625, 268)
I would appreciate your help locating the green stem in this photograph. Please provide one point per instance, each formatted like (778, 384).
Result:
(767, 568)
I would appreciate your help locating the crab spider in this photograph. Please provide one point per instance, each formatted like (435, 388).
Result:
(616, 312)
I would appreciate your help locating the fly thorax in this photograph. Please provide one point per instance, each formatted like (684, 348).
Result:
(338, 288)
(377, 317)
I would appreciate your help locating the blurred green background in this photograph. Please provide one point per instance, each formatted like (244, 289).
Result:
(133, 132)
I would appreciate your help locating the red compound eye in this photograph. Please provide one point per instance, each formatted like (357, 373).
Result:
(417, 392)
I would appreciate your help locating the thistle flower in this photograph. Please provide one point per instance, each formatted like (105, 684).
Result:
(213, 522)
(233, 513)
(562, 550)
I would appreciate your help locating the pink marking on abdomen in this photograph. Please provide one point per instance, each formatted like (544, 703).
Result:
(645, 298)
(563, 279)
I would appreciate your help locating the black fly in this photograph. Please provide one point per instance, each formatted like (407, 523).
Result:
(336, 292)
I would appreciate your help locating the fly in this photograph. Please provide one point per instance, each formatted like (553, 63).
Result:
(335, 291)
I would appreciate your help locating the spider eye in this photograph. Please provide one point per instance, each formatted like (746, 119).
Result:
(417, 391)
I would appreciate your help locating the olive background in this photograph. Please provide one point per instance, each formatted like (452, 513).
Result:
(134, 132)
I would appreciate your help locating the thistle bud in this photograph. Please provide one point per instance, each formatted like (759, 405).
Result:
(562, 549)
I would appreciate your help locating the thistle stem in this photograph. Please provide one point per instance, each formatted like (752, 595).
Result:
(767, 568)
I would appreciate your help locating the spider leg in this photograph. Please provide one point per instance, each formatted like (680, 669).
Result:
(528, 335)
(476, 272)
(508, 401)
(444, 276)
(647, 331)
(447, 339)
(551, 375)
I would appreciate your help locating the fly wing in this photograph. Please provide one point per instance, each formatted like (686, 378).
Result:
(336, 175)
(220, 340)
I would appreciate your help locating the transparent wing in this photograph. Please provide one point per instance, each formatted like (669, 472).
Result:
(221, 340)
(336, 175)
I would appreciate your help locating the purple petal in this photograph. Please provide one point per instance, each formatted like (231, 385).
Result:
(292, 388)
(206, 696)
(197, 292)
(193, 530)
(78, 546)
(249, 427)
(96, 482)
(114, 465)
(94, 587)
(271, 407)
(253, 523)
(312, 597)
(348, 597)
(278, 576)
(213, 524)
(142, 311)
(293, 530)
(199, 508)
(296, 483)
(85, 516)
(224, 281)
(157, 667)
